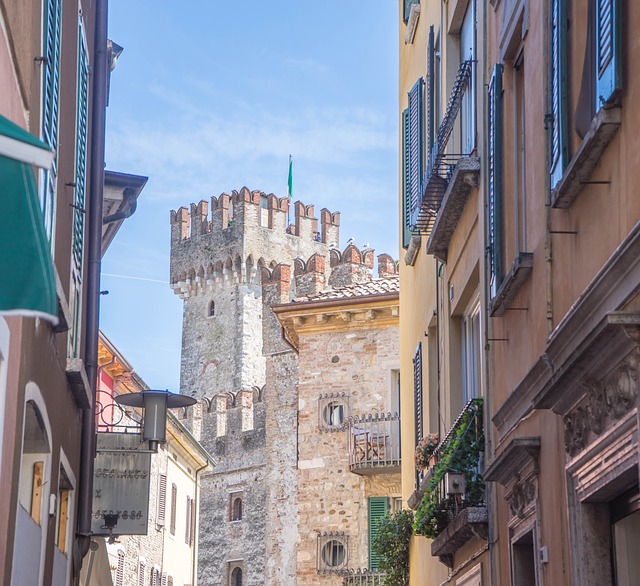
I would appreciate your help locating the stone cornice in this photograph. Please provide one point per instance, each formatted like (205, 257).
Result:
(519, 453)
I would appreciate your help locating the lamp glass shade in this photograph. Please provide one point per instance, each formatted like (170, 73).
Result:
(155, 416)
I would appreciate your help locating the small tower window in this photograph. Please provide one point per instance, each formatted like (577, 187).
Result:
(333, 411)
(235, 508)
(236, 577)
(211, 309)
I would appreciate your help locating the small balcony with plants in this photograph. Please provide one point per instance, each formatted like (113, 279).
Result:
(450, 498)
(374, 443)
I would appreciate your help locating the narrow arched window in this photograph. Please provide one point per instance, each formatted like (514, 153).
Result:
(236, 513)
(211, 309)
(236, 577)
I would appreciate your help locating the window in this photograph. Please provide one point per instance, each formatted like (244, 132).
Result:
(559, 143)
(407, 8)
(333, 410)
(189, 519)
(162, 499)
(155, 577)
(471, 344)
(174, 498)
(378, 507)
(332, 552)
(523, 560)
(120, 569)
(235, 506)
(52, 27)
(495, 181)
(211, 309)
(236, 577)
(64, 510)
(263, 211)
(468, 105)
(77, 246)
(396, 504)
(412, 157)
(141, 571)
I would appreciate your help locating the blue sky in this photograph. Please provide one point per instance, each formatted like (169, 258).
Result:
(209, 96)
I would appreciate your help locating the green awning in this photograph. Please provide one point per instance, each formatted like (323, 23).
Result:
(27, 278)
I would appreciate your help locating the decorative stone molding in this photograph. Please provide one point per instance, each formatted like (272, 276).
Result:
(522, 496)
(604, 403)
(412, 24)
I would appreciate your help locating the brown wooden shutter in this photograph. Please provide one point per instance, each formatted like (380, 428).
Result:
(174, 497)
(162, 499)
(192, 536)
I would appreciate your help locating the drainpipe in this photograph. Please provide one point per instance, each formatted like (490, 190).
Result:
(94, 254)
(194, 557)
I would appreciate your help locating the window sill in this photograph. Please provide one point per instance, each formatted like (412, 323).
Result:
(520, 270)
(412, 251)
(584, 161)
(465, 178)
(79, 383)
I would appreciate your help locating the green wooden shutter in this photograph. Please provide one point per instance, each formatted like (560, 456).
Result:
(79, 198)
(416, 155)
(52, 30)
(378, 506)
(406, 191)
(494, 162)
(430, 91)
(608, 53)
(559, 152)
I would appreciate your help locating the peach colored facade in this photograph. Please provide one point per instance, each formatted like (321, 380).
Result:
(540, 235)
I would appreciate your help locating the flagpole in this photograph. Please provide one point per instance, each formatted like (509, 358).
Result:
(290, 190)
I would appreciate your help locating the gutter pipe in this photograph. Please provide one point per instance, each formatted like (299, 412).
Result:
(129, 206)
(94, 253)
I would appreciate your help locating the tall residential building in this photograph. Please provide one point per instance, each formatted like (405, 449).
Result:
(279, 414)
(54, 65)
(519, 289)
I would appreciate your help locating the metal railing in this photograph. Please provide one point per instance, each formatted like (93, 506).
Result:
(374, 442)
(460, 453)
(112, 417)
(441, 164)
(363, 577)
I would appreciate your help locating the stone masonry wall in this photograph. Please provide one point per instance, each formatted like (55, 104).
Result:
(331, 498)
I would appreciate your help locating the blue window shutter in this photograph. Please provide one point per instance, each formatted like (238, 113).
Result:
(559, 142)
(406, 192)
(417, 390)
(430, 91)
(608, 52)
(416, 155)
(378, 507)
(494, 161)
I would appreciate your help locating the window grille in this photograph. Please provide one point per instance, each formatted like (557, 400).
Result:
(333, 552)
(333, 411)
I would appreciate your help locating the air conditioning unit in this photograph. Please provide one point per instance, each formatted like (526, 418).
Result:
(454, 483)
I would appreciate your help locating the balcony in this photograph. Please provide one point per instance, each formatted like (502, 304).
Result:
(374, 443)
(441, 179)
(452, 508)
(363, 577)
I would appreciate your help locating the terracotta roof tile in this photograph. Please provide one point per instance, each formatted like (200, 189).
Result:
(390, 284)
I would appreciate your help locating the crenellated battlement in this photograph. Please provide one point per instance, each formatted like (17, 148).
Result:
(243, 210)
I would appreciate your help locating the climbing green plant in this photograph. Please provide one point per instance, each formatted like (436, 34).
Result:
(392, 545)
(461, 454)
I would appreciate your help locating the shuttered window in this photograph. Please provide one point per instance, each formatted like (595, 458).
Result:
(52, 30)
(174, 498)
(417, 386)
(162, 499)
(608, 53)
(406, 181)
(141, 572)
(120, 569)
(378, 506)
(79, 198)
(559, 154)
(416, 156)
(494, 161)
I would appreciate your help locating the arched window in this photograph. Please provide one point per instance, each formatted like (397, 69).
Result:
(236, 577)
(236, 508)
(211, 309)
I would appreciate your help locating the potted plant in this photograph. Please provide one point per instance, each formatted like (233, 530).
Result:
(424, 450)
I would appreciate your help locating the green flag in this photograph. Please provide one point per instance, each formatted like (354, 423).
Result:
(290, 180)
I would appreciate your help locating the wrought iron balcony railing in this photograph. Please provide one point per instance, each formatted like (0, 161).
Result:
(363, 577)
(454, 480)
(112, 417)
(441, 164)
(374, 443)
